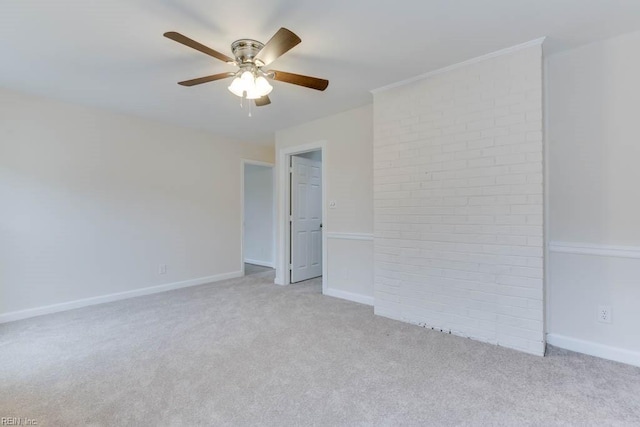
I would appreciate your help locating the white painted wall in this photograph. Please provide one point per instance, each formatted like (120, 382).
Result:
(594, 201)
(259, 215)
(93, 202)
(348, 160)
(458, 200)
(351, 273)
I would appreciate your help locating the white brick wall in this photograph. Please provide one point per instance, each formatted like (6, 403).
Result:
(458, 201)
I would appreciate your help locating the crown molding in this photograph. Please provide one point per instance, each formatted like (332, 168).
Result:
(501, 52)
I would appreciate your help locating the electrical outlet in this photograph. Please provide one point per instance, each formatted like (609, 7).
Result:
(162, 269)
(604, 314)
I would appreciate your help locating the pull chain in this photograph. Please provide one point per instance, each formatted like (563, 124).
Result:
(242, 98)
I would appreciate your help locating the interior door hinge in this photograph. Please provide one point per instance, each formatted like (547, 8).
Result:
(290, 267)
(290, 218)
(290, 169)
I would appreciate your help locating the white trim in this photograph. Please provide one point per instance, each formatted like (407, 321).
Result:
(349, 296)
(269, 264)
(546, 294)
(243, 163)
(594, 349)
(350, 236)
(595, 249)
(257, 163)
(282, 167)
(85, 302)
(475, 60)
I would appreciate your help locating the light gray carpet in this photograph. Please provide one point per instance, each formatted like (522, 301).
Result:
(247, 352)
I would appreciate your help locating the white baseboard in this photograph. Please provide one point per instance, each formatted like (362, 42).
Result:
(595, 349)
(70, 305)
(260, 263)
(350, 296)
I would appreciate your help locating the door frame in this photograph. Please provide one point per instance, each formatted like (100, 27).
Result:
(243, 164)
(284, 187)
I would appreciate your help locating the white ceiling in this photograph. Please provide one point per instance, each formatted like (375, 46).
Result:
(111, 53)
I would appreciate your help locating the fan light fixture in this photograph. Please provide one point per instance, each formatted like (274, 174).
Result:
(251, 79)
(246, 84)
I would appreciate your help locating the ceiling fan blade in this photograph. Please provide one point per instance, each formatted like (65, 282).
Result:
(278, 45)
(300, 80)
(197, 46)
(206, 79)
(260, 102)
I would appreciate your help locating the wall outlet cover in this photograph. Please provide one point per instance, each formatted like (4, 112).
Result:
(604, 314)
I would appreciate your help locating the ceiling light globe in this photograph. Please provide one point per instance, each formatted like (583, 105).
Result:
(253, 94)
(262, 86)
(237, 87)
(248, 78)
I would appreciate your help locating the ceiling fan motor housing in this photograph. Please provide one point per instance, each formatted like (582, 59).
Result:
(245, 50)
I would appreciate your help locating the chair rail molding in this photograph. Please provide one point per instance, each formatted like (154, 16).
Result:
(595, 249)
(349, 236)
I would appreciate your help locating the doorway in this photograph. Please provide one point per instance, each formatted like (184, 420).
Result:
(283, 183)
(305, 216)
(258, 217)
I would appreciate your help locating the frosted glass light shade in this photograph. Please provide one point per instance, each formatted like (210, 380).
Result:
(247, 78)
(253, 94)
(248, 84)
(263, 87)
(237, 87)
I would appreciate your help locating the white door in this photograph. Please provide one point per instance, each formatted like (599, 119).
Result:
(306, 219)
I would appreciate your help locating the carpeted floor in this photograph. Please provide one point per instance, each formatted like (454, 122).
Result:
(247, 352)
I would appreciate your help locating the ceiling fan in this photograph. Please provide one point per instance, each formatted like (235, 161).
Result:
(251, 81)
